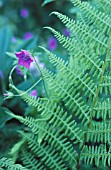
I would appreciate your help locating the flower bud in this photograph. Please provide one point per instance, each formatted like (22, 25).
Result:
(8, 95)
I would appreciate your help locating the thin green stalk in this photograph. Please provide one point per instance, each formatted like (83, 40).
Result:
(41, 76)
(10, 76)
(26, 90)
(13, 86)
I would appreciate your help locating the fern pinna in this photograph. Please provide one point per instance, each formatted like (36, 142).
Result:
(73, 125)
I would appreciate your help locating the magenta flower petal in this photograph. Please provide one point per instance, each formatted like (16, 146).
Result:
(33, 93)
(28, 36)
(24, 12)
(25, 52)
(27, 64)
(25, 58)
(19, 54)
(19, 71)
(52, 43)
(67, 32)
(20, 62)
(1, 74)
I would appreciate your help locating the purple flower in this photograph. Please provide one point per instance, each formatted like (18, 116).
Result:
(1, 75)
(19, 71)
(28, 35)
(13, 39)
(24, 12)
(33, 93)
(52, 43)
(25, 58)
(67, 32)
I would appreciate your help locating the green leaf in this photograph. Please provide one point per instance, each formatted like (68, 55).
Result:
(5, 41)
(1, 100)
(46, 2)
(11, 55)
(16, 148)
(4, 117)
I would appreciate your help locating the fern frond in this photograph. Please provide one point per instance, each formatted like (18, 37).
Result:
(53, 137)
(83, 81)
(37, 103)
(100, 20)
(30, 162)
(28, 121)
(105, 87)
(100, 132)
(97, 154)
(47, 154)
(68, 94)
(78, 50)
(84, 33)
(108, 63)
(10, 165)
(56, 115)
(67, 125)
(103, 110)
(59, 118)
(27, 98)
(103, 5)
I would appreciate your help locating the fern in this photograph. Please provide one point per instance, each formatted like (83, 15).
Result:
(72, 125)
(102, 4)
(9, 164)
(53, 137)
(29, 160)
(96, 154)
(47, 154)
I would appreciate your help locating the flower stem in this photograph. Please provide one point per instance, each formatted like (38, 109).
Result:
(41, 76)
(13, 86)
(26, 90)
(10, 76)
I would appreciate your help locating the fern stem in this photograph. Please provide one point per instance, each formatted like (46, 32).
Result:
(41, 76)
(101, 78)
(95, 98)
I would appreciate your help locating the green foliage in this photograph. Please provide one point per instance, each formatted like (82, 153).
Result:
(3, 116)
(46, 2)
(9, 164)
(72, 124)
(5, 41)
